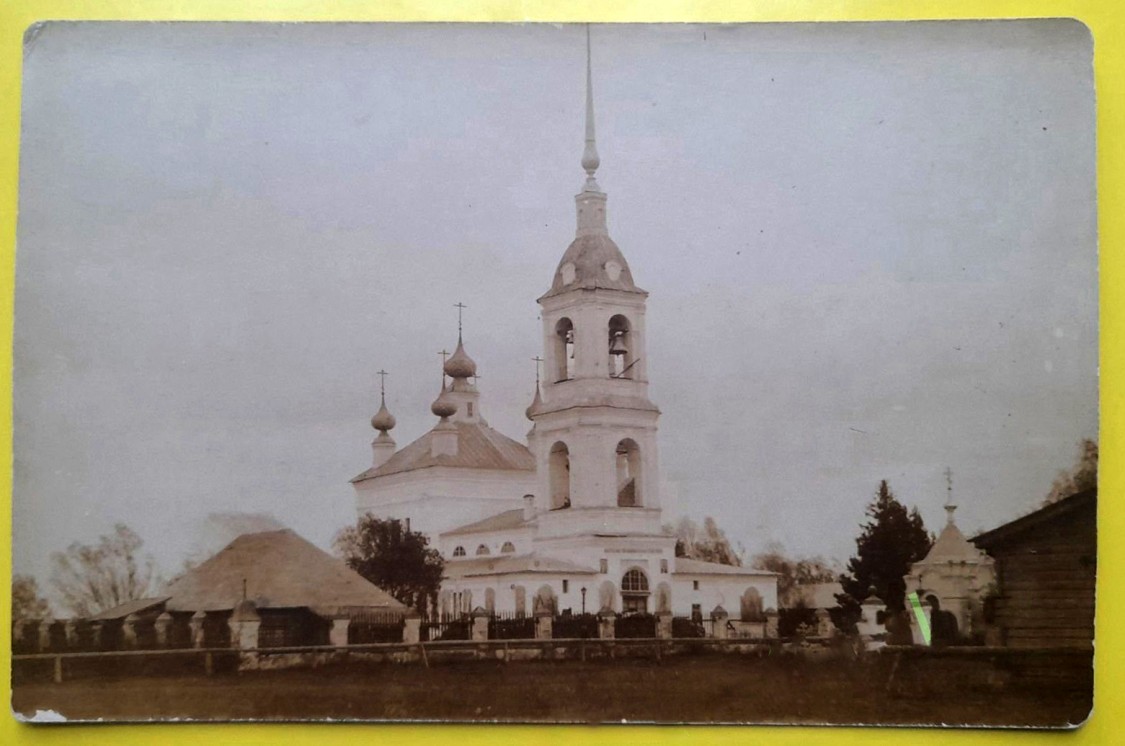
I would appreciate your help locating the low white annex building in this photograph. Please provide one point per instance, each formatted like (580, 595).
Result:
(573, 520)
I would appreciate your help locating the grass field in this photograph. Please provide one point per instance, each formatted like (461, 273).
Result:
(685, 689)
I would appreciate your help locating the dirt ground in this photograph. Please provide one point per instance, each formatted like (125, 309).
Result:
(686, 689)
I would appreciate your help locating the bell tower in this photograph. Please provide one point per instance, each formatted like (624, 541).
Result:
(594, 432)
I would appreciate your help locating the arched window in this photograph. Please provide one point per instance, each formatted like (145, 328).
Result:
(634, 591)
(628, 474)
(490, 600)
(482, 550)
(508, 548)
(519, 596)
(559, 469)
(621, 357)
(459, 552)
(564, 350)
(751, 603)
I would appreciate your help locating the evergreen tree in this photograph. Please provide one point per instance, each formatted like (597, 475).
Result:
(891, 541)
(400, 562)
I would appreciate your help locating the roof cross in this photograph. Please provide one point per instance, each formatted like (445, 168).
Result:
(382, 384)
(460, 307)
(537, 360)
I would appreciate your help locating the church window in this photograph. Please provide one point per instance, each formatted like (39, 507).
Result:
(628, 473)
(564, 350)
(621, 359)
(469, 408)
(566, 586)
(695, 585)
(459, 552)
(508, 548)
(603, 565)
(559, 470)
(490, 600)
(482, 550)
(663, 567)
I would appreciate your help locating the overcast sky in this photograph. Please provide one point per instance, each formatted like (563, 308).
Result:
(870, 248)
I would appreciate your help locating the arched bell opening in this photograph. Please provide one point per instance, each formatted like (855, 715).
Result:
(559, 470)
(628, 474)
(621, 357)
(564, 350)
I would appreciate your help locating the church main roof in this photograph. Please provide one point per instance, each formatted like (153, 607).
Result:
(478, 447)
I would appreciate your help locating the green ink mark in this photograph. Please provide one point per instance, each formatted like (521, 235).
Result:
(923, 622)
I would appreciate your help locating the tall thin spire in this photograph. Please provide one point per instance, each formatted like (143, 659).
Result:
(950, 507)
(590, 160)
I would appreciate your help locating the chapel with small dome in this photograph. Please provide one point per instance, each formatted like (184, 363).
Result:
(574, 518)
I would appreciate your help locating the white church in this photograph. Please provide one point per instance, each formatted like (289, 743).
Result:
(573, 519)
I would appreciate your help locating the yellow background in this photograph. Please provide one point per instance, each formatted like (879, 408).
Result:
(1106, 20)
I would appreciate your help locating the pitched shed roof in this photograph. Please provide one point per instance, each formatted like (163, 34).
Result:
(281, 570)
(478, 447)
(685, 566)
(506, 521)
(1055, 511)
(509, 564)
(129, 607)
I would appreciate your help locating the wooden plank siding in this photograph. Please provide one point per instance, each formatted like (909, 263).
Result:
(1045, 570)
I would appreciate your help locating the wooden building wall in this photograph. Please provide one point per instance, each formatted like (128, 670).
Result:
(1046, 578)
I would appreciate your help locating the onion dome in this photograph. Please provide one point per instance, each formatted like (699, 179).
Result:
(460, 365)
(444, 406)
(536, 403)
(383, 419)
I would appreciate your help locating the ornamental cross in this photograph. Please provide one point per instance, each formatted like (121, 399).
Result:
(537, 360)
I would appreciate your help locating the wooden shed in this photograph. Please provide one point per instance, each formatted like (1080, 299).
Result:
(1046, 563)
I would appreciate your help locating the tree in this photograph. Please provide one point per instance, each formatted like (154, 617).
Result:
(1084, 475)
(400, 562)
(26, 601)
(707, 543)
(792, 573)
(93, 578)
(889, 544)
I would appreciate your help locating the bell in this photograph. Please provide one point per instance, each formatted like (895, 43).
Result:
(617, 346)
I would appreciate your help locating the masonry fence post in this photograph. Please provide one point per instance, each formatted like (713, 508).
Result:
(824, 625)
(162, 627)
(412, 627)
(70, 628)
(664, 625)
(771, 623)
(129, 632)
(196, 625)
(719, 619)
(44, 635)
(338, 635)
(480, 625)
(544, 624)
(244, 625)
(606, 621)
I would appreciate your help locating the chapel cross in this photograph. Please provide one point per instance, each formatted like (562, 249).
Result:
(537, 360)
